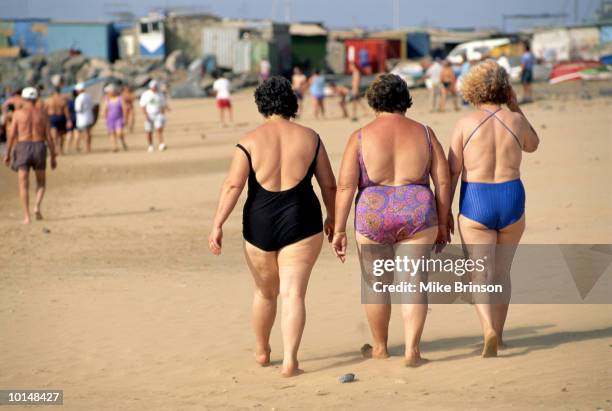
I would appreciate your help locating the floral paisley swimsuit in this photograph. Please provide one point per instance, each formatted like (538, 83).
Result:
(390, 214)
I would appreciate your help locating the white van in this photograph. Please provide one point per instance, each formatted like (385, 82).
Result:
(476, 48)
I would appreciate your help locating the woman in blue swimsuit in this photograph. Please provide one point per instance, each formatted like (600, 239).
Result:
(486, 151)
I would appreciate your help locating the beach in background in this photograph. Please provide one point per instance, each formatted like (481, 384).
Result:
(115, 299)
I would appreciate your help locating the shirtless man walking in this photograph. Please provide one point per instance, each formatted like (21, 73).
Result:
(59, 118)
(29, 135)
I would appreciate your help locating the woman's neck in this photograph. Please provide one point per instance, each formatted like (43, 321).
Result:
(275, 118)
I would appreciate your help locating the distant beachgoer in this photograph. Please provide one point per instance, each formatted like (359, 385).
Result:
(342, 93)
(83, 106)
(28, 138)
(432, 82)
(282, 220)
(59, 117)
(222, 89)
(128, 100)
(113, 111)
(527, 64)
(71, 131)
(299, 82)
(265, 69)
(486, 152)
(317, 91)
(154, 107)
(449, 86)
(390, 161)
(356, 94)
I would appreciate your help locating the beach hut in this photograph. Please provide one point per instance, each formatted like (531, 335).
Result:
(371, 54)
(28, 35)
(308, 45)
(93, 39)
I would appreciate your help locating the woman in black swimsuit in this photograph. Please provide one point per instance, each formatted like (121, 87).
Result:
(282, 219)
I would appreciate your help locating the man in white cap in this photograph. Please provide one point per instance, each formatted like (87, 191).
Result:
(83, 106)
(28, 137)
(154, 107)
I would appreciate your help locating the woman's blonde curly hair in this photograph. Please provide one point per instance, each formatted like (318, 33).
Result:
(486, 82)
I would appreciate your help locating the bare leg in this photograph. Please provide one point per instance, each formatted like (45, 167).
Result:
(264, 268)
(414, 315)
(455, 100)
(230, 114)
(508, 239)
(24, 195)
(473, 233)
(222, 117)
(113, 138)
(150, 138)
(40, 192)
(120, 134)
(295, 263)
(88, 141)
(378, 316)
(78, 140)
(160, 135)
(443, 94)
(55, 138)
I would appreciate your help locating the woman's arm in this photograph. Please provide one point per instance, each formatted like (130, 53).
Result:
(530, 137)
(347, 185)
(455, 165)
(230, 192)
(441, 180)
(325, 177)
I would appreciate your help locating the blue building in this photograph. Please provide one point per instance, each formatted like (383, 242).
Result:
(93, 39)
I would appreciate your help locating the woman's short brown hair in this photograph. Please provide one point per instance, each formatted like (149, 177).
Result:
(486, 82)
(389, 93)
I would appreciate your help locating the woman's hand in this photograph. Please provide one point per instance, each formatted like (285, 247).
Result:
(339, 245)
(215, 239)
(443, 237)
(328, 229)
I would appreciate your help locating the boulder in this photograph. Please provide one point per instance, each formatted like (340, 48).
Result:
(177, 60)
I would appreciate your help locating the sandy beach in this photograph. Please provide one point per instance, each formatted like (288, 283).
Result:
(115, 299)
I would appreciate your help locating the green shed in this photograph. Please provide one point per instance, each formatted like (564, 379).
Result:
(308, 45)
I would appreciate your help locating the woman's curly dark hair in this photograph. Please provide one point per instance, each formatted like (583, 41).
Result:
(276, 96)
(389, 94)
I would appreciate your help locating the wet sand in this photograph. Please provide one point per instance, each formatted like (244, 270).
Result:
(122, 306)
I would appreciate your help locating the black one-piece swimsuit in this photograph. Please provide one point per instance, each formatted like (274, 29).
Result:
(272, 220)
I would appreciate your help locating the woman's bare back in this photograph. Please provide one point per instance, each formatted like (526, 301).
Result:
(281, 153)
(492, 153)
(395, 150)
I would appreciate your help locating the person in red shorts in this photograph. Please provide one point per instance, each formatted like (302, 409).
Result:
(222, 87)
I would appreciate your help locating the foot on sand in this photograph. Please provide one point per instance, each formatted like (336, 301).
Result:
(291, 370)
(367, 351)
(26, 219)
(38, 215)
(415, 360)
(263, 358)
(490, 345)
(502, 345)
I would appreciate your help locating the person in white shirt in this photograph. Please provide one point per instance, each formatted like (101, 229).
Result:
(432, 82)
(221, 88)
(154, 106)
(505, 63)
(83, 107)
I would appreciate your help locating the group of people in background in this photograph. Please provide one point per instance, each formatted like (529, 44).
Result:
(443, 81)
(319, 88)
(36, 128)
(389, 164)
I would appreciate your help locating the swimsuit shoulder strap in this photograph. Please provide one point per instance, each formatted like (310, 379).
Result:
(490, 114)
(248, 155)
(505, 126)
(364, 179)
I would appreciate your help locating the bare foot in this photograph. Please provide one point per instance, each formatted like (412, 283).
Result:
(490, 345)
(38, 215)
(26, 219)
(367, 351)
(502, 345)
(415, 360)
(263, 358)
(291, 370)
